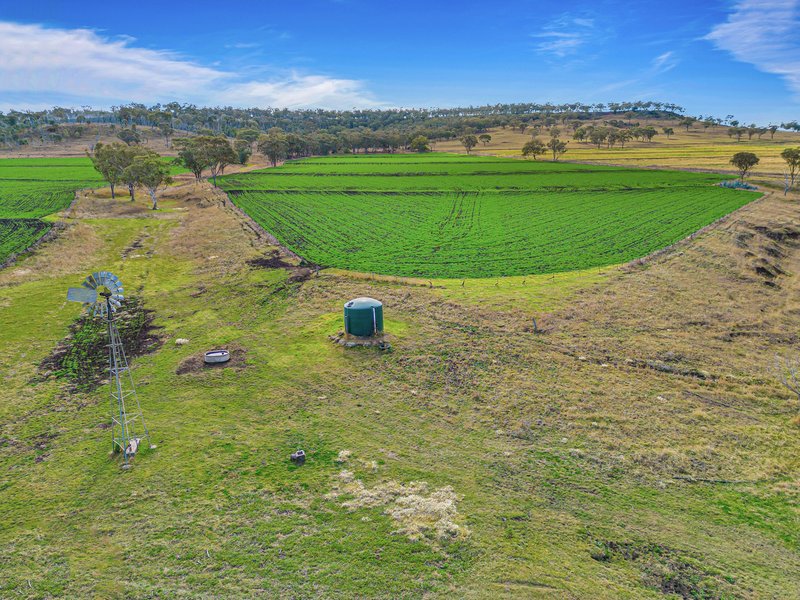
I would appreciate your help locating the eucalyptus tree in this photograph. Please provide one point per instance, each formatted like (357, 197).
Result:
(243, 151)
(533, 148)
(192, 155)
(420, 144)
(557, 147)
(274, 145)
(792, 158)
(150, 172)
(106, 159)
(744, 161)
(469, 142)
(219, 155)
(130, 136)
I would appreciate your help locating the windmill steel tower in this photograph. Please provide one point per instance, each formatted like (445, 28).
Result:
(101, 294)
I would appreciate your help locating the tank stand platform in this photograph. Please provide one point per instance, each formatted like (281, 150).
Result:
(380, 341)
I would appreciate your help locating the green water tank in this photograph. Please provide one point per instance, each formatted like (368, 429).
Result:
(363, 317)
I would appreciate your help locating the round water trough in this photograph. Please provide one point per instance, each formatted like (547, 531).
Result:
(363, 317)
(213, 357)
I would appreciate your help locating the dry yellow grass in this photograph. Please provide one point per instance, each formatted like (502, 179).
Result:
(696, 149)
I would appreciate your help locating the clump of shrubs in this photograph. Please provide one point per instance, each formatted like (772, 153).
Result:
(737, 185)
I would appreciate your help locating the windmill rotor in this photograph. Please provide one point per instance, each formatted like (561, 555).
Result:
(101, 293)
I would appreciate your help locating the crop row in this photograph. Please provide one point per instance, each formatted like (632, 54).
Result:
(376, 183)
(33, 188)
(19, 234)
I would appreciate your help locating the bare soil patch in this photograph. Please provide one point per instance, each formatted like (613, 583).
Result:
(82, 356)
(196, 364)
(277, 260)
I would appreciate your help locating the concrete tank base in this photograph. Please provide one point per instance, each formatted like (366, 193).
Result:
(380, 341)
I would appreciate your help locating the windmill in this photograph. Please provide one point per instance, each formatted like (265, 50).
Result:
(101, 294)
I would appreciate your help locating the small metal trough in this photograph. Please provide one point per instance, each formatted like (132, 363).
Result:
(213, 357)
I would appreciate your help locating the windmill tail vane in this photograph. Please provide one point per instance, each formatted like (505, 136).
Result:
(102, 294)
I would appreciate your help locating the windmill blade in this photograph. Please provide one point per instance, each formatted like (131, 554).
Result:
(83, 295)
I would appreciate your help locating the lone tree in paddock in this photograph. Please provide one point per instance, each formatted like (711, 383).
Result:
(792, 158)
(485, 138)
(533, 148)
(744, 161)
(469, 142)
(557, 147)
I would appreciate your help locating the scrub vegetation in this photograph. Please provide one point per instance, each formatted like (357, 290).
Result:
(441, 215)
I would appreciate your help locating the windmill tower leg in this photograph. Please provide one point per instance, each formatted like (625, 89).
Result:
(102, 293)
(127, 422)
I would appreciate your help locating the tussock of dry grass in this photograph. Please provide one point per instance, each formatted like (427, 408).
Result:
(419, 512)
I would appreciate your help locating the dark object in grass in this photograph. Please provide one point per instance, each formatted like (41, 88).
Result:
(668, 570)
(299, 457)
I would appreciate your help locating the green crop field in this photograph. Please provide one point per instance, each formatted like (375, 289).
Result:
(16, 234)
(32, 188)
(447, 216)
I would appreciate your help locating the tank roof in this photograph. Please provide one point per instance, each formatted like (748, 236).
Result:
(363, 303)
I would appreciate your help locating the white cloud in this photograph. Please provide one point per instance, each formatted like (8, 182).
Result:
(302, 90)
(764, 33)
(243, 45)
(561, 44)
(564, 35)
(664, 62)
(40, 64)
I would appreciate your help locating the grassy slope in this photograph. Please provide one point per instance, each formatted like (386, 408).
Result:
(555, 443)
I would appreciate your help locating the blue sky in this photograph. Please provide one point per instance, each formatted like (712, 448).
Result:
(713, 57)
